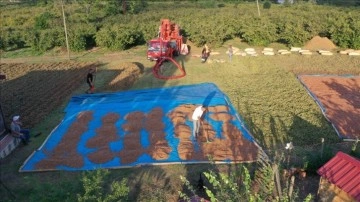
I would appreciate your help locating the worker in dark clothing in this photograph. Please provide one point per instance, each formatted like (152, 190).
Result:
(205, 53)
(90, 80)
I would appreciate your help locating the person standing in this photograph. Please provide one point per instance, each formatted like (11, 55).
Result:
(196, 117)
(230, 52)
(17, 131)
(205, 53)
(207, 50)
(90, 80)
(159, 32)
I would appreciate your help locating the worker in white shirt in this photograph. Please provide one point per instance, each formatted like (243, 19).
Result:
(196, 117)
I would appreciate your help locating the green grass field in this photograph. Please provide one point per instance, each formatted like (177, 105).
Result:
(264, 89)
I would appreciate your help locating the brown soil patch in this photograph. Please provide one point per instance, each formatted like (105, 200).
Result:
(320, 43)
(340, 97)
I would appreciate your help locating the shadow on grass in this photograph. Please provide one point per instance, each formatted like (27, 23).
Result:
(303, 132)
(149, 183)
(346, 108)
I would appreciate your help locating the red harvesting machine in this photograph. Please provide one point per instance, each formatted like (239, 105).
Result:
(168, 44)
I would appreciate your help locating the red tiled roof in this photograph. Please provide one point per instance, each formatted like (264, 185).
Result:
(344, 172)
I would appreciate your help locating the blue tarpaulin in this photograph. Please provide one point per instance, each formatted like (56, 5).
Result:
(122, 103)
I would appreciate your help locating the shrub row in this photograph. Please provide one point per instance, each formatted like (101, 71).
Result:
(291, 25)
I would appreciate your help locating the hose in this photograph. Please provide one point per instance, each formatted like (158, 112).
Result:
(156, 69)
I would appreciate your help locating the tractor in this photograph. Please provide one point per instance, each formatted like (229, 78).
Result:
(166, 46)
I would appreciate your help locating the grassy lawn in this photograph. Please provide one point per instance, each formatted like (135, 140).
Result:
(274, 105)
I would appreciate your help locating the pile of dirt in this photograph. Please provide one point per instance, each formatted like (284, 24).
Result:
(320, 43)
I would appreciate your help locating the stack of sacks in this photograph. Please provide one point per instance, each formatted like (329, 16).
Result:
(283, 52)
(325, 52)
(236, 51)
(305, 52)
(250, 51)
(350, 52)
(295, 49)
(355, 53)
(268, 51)
(241, 53)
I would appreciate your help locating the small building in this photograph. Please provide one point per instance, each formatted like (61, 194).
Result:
(340, 179)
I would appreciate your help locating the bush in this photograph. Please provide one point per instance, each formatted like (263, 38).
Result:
(82, 37)
(345, 31)
(314, 160)
(95, 188)
(225, 187)
(287, 3)
(293, 33)
(119, 37)
(112, 8)
(12, 39)
(355, 149)
(207, 4)
(135, 7)
(260, 32)
(43, 40)
(2, 44)
(40, 41)
(237, 186)
(77, 42)
(267, 5)
(42, 21)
